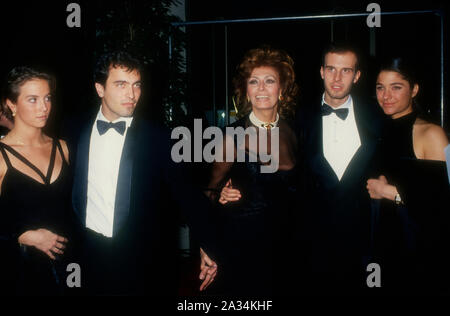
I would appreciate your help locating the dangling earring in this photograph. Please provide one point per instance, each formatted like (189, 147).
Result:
(14, 113)
(234, 103)
(280, 98)
(248, 99)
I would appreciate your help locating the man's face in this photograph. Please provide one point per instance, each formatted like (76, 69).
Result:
(339, 74)
(120, 94)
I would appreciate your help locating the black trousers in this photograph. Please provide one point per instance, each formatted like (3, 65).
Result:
(121, 266)
(105, 269)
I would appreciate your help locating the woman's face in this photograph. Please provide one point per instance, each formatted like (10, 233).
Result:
(33, 104)
(395, 94)
(263, 88)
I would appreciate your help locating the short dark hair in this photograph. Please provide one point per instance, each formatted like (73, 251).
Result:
(15, 79)
(115, 59)
(340, 48)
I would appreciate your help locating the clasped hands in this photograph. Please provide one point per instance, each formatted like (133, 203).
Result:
(46, 241)
(381, 189)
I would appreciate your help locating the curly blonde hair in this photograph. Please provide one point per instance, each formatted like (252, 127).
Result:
(269, 57)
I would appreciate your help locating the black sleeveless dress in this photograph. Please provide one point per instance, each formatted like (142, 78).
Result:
(255, 231)
(410, 236)
(27, 204)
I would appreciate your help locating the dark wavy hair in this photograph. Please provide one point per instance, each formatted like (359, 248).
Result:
(282, 63)
(115, 59)
(15, 79)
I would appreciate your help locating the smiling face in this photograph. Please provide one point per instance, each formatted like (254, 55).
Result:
(263, 88)
(395, 94)
(339, 74)
(120, 94)
(33, 103)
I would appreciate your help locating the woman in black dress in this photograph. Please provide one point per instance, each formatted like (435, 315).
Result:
(410, 187)
(35, 189)
(254, 225)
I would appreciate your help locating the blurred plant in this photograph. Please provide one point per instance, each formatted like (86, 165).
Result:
(144, 28)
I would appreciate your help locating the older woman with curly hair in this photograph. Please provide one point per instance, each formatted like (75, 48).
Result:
(254, 207)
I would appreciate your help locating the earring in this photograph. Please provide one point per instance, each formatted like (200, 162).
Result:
(248, 99)
(14, 113)
(280, 98)
(234, 103)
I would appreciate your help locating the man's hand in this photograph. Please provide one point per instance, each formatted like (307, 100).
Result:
(208, 270)
(228, 194)
(381, 189)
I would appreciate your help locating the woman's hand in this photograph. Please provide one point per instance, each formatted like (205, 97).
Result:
(45, 241)
(228, 194)
(208, 270)
(381, 189)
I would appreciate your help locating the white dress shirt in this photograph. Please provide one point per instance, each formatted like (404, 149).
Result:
(340, 138)
(105, 152)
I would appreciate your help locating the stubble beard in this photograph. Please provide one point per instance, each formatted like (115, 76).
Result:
(339, 95)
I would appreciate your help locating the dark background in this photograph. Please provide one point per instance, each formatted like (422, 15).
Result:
(415, 36)
(36, 33)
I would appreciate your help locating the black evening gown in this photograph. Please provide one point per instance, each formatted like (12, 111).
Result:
(27, 204)
(255, 231)
(411, 238)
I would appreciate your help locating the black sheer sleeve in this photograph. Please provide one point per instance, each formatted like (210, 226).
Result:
(220, 170)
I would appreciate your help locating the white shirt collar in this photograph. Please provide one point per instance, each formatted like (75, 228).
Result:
(347, 104)
(257, 122)
(101, 117)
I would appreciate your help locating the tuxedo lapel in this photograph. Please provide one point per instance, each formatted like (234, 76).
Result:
(124, 180)
(359, 163)
(319, 165)
(79, 190)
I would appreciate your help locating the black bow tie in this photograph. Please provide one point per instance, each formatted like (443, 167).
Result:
(327, 110)
(103, 127)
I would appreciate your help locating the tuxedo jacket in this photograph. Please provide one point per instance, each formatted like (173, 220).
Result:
(150, 190)
(336, 214)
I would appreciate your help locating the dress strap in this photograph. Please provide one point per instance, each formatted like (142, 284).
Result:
(61, 152)
(5, 156)
(52, 161)
(28, 163)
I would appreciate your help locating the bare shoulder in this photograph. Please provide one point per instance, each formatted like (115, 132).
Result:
(432, 139)
(431, 132)
(65, 149)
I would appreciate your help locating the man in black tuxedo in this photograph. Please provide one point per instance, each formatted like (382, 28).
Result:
(339, 136)
(124, 178)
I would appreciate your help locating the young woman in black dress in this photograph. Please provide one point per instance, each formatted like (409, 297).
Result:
(412, 209)
(35, 189)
